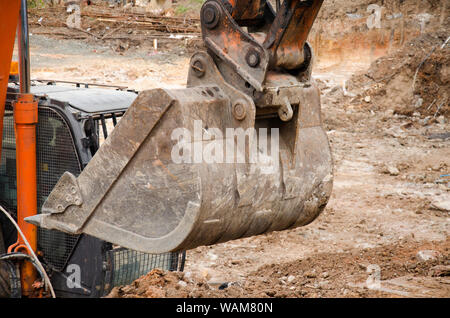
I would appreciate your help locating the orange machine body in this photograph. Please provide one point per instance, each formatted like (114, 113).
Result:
(25, 120)
(9, 15)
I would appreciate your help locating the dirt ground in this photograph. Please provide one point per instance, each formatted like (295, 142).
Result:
(385, 231)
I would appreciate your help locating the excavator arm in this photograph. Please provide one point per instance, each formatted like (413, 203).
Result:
(241, 151)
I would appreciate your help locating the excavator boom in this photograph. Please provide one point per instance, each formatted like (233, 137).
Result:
(241, 151)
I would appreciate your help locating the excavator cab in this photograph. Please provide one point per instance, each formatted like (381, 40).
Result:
(73, 123)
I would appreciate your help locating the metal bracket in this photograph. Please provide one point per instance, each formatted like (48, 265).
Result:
(68, 187)
(225, 38)
(204, 72)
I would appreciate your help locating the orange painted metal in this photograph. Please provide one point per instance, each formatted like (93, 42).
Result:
(14, 70)
(288, 32)
(25, 120)
(247, 10)
(9, 15)
(289, 51)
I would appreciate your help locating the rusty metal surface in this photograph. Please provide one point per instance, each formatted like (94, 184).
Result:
(288, 33)
(248, 10)
(212, 76)
(271, 42)
(135, 196)
(232, 45)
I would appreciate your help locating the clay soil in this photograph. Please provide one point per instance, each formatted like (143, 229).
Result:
(389, 214)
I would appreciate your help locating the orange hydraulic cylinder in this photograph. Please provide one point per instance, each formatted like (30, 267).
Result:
(25, 120)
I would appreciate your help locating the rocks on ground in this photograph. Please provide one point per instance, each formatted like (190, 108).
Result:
(322, 275)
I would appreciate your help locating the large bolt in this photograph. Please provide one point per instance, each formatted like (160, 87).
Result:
(239, 111)
(253, 58)
(286, 112)
(198, 68)
(211, 15)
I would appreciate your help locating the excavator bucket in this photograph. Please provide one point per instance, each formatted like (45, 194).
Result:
(205, 164)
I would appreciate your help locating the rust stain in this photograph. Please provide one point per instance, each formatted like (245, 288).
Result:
(158, 163)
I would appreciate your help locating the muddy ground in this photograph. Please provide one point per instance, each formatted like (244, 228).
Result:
(389, 214)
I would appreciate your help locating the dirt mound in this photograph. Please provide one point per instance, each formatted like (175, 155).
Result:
(156, 284)
(346, 274)
(165, 284)
(324, 275)
(414, 79)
